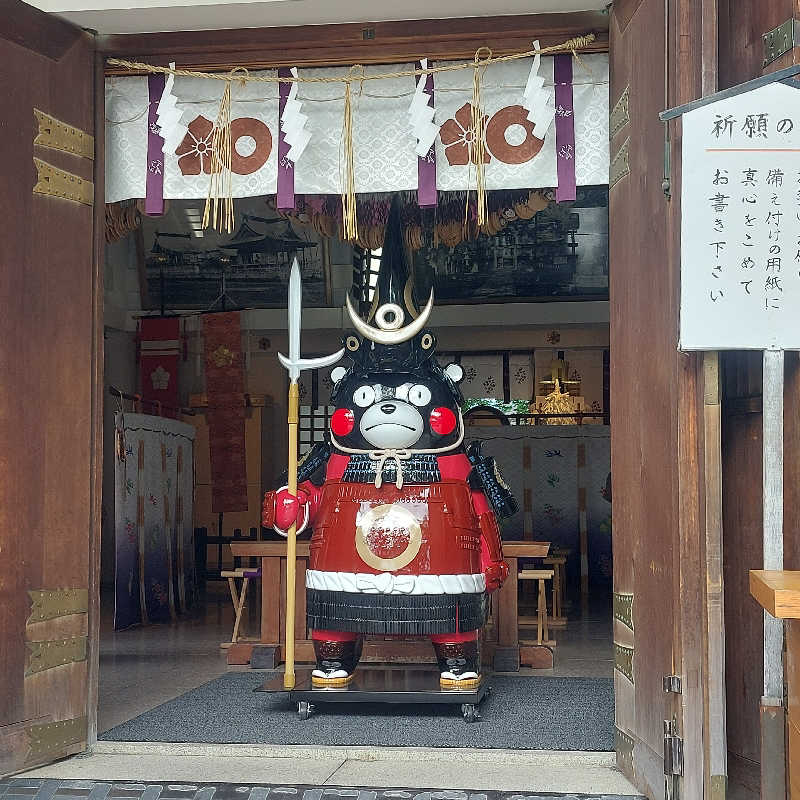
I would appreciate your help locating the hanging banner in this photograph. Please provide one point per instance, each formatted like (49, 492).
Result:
(187, 168)
(515, 157)
(159, 348)
(384, 139)
(222, 338)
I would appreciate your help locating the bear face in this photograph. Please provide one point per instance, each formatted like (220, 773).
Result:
(397, 410)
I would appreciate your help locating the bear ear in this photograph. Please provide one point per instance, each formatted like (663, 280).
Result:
(337, 373)
(454, 372)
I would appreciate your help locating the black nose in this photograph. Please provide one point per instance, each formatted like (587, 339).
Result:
(388, 408)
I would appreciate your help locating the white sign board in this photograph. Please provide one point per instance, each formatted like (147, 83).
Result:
(740, 222)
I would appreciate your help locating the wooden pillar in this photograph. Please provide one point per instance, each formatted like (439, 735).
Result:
(773, 725)
(714, 666)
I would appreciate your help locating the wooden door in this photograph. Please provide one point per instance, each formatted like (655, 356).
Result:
(659, 435)
(50, 357)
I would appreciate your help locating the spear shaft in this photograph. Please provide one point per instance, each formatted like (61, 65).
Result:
(294, 363)
(291, 541)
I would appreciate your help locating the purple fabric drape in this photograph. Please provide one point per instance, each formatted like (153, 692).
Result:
(154, 186)
(426, 165)
(285, 199)
(565, 128)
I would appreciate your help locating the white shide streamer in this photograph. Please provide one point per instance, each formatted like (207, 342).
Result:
(293, 123)
(538, 101)
(168, 116)
(421, 114)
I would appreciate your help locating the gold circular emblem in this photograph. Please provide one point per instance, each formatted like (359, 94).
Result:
(388, 526)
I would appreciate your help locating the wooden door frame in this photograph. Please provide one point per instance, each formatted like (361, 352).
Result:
(98, 387)
(403, 41)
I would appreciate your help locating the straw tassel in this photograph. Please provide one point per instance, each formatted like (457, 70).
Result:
(218, 212)
(478, 129)
(347, 159)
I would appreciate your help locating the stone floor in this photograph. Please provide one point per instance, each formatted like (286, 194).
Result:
(409, 768)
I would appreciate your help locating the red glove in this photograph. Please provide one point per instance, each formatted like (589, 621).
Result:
(280, 509)
(496, 572)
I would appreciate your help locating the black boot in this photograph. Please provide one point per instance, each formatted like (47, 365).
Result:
(459, 664)
(336, 661)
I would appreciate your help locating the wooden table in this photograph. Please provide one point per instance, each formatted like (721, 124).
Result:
(273, 601)
(778, 591)
(503, 633)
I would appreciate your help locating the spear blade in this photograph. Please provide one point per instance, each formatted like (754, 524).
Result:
(295, 363)
(295, 315)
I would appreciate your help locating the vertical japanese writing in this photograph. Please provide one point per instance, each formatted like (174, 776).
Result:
(740, 222)
(746, 225)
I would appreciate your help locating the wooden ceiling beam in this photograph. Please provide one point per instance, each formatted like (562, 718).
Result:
(351, 43)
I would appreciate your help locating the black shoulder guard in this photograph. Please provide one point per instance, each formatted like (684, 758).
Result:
(312, 466)
(485, 477)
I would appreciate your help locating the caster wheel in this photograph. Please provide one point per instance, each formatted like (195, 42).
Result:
(305, 709)
(471, 714)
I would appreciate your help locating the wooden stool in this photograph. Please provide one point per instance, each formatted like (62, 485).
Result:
(565, 553)
(238, 597)
(558, 563)
(542, 629)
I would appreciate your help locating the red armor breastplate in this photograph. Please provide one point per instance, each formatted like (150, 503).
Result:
(426, 529)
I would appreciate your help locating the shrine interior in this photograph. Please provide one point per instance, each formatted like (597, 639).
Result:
(521, 304)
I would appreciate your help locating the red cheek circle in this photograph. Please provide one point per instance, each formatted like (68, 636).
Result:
(443, 421)
(342, 421)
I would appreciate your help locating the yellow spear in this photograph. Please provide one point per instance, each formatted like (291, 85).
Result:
(294, 363)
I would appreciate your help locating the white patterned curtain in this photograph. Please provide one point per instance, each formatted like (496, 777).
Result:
(154, 541)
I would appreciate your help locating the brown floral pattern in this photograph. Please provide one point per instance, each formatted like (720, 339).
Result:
(457, 137)
(195, 153)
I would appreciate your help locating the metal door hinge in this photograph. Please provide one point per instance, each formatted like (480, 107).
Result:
(779, 40)
(672, 684)
(673, 749)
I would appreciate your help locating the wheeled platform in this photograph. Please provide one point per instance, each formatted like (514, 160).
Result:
(395, 685)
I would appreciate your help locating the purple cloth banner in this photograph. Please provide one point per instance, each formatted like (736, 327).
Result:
(426, 165)
(285, 166)
(154, 187)
(565, 128)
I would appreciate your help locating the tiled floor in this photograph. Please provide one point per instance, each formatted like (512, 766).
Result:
(141, 668)
(585, 648)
